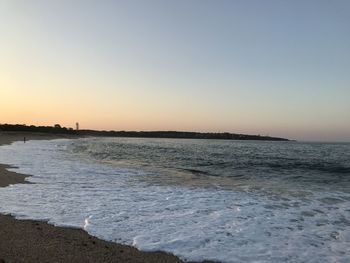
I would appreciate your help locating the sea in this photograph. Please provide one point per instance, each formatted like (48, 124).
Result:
(220, 200)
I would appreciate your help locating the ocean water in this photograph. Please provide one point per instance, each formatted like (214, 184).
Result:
(228, 201)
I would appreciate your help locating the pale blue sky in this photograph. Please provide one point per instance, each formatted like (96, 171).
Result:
(268, 67)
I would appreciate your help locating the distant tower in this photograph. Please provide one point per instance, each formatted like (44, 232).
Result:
(77, 126)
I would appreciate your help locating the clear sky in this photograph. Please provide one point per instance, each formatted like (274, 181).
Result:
(279, 67)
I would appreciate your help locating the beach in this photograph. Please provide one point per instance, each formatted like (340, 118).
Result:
(35, 241)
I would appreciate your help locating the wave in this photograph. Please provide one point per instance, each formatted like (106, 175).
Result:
(195, 223)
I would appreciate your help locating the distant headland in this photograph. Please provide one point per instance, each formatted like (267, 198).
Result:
(58, 129)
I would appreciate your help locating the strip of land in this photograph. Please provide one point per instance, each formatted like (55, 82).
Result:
(139, 134)
(35, 241)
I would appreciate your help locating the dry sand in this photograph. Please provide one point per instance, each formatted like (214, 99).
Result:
(34, 241)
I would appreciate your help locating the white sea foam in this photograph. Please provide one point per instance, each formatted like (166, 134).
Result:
(194, 223)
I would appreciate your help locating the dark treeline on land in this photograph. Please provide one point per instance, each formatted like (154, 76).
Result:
(180, 135)
(57, 129)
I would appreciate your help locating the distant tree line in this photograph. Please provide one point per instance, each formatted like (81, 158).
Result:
(57, 129)
(180, 135)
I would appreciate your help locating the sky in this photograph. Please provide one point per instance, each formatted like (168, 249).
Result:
(272, 67)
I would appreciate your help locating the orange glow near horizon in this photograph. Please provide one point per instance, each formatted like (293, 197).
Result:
(54, 99)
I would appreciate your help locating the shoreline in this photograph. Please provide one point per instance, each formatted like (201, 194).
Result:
(38, 241)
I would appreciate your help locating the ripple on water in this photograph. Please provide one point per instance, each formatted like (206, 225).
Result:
(265, 221)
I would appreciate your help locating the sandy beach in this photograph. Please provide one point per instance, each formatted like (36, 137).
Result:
(34, 241)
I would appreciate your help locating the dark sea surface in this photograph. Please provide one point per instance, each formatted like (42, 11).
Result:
(230, 201)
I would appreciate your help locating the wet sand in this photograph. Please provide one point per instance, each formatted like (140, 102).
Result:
(35, 241)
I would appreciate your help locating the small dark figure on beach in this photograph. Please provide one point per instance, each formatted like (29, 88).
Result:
(24, 139)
